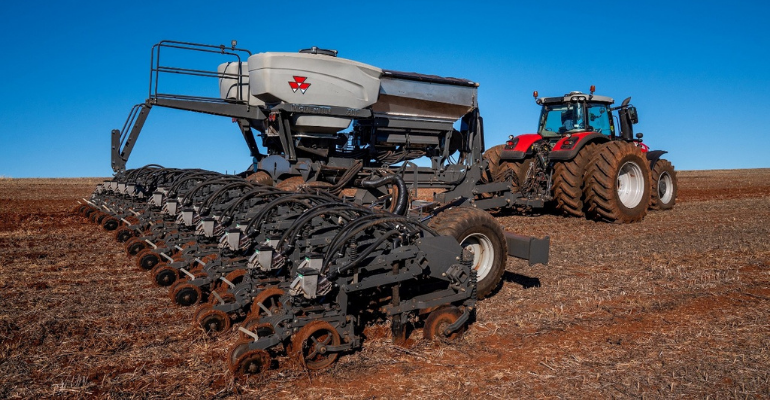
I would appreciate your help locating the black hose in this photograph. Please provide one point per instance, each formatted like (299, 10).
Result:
(208, 202)
(366, 222)
(257, 191)
(342, 210)
(402, 200)
(293, 198)
(362, 256)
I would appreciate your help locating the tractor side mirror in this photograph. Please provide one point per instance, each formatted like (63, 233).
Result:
(633, 115)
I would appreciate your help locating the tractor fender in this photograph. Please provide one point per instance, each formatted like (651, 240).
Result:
(653, 157)
(519, 147)
(568, 147)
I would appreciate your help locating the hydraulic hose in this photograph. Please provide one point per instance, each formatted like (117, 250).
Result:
(402, 200)
(362, 256)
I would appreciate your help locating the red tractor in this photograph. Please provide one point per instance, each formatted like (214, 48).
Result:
(579, 164)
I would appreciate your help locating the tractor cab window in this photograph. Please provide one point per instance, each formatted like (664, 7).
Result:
(558, 119)
(599, 119)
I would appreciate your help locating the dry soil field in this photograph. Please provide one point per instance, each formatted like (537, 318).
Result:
(675, 306)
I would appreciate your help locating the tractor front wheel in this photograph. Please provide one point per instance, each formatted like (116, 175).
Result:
(569, 182)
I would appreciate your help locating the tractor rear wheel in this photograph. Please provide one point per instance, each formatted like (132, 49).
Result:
(499, 170)
(569, 182)
(618, 183)
(664, 186)
(479, 233)
(492, 155)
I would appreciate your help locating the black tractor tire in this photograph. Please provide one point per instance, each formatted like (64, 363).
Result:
(492, 155)
(618, 183)
(290, 184)
(261, 177)
(664, 186)
(479, 232)
(569, 182)
(500, 170)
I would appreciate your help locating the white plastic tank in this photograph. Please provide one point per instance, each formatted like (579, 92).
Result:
(313, 79)
(233, 89)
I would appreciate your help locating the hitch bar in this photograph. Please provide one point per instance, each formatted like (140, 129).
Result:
(529, 248)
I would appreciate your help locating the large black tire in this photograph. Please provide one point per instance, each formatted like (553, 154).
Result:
(569, 182)
(664, 186)
(500, 171)
(618, 183)
(480, 233)
(492, 155)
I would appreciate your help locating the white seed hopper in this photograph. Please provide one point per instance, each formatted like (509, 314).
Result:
(319, 79)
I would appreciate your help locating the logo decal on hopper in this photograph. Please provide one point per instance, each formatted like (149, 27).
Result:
(299, 84)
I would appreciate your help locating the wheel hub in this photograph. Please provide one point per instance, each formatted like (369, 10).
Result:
(630, 184)
(480, 246)
(665, 185)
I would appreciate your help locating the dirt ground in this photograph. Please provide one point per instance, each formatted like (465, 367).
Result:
(674, 306)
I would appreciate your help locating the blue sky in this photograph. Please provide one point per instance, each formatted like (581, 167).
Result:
(697, 72)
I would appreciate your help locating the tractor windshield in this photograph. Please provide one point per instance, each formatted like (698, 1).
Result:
(558, 119)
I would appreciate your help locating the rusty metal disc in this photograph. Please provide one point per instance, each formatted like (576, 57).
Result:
(101, 217)
(270, 299)
(309, 345)
(201, 308)
(210, 257)
(164, 275)
(123, 234)
(214, 321)
(135, 247)
(187, 294)
(439, 320)
(253, 324)
(147, 259)
(243, 361)
(235, 277)
(110, 223)
(226, 296)
(261, 177)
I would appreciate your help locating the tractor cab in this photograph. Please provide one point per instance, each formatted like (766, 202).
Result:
(577, 112)
(574, 113)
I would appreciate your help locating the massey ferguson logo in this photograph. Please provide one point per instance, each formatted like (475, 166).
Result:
(299, 84)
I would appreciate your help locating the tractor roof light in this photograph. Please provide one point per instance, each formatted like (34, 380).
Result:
(593, 89)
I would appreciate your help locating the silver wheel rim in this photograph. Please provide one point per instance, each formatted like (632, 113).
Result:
(483, 253)
(665, 188)
(630, 184)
